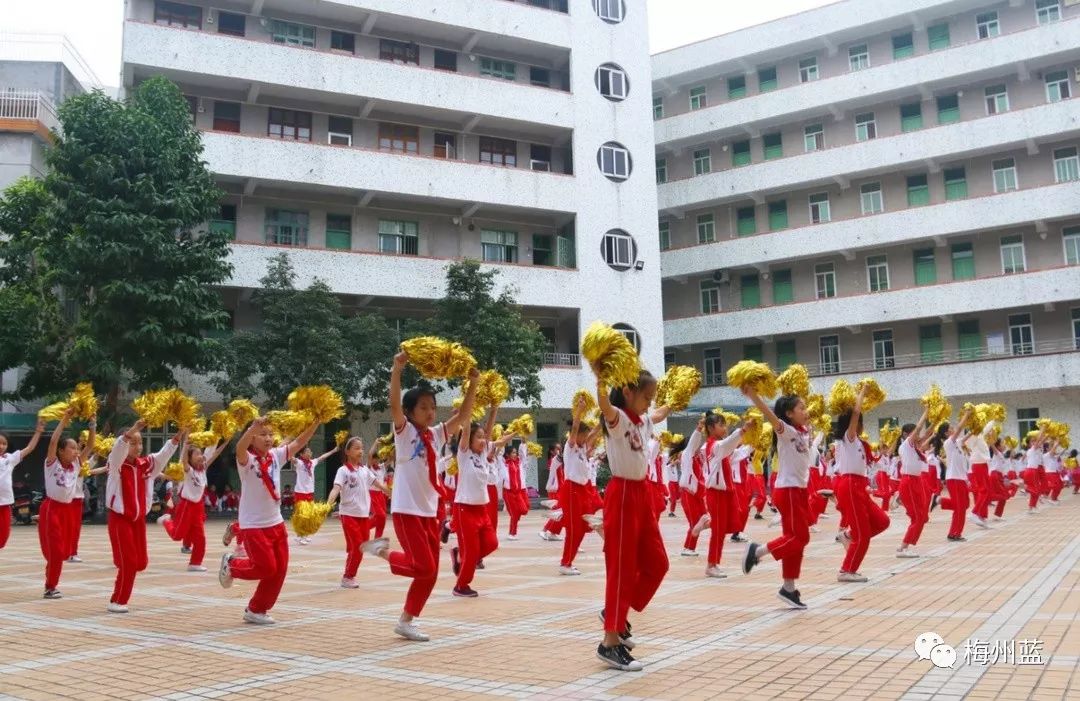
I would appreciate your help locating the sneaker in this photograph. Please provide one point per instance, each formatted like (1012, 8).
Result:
(791, 598)
(750, 558)
(556, 515)
(738, 538)
(74, 558)
(957, 538)
(618, 657)
(906, 553)
(844, 538)
(224, 575)
(850, 577)
(671, 514)
(774, 521)
(409, 631)
(511, 537)
(714, 572)
(444, 534)
(228, 535)
(825, 517)
(455, 560)
(687, 552)
(815, 529)
(980, 522)
(116, 608)
(349, 583)
(999, 518)
(465, 592)
(1033, 511)
(546, 535)
(555, 537)
(759, 517)
(53, 594)
(185, 551)
(701, 525)
(595, 521)
(164, 519)
(259, 619)
(549, 503)
(933, 503)
(196, 568)
(375, 546)
(570, 571)
(304, 540)
(826, 493)
(480, 565)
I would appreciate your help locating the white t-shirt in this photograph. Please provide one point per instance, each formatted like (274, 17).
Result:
(793, 456)
(472, 478)
(997, 463)
(305, 475)
(356, 484)
(723, 448)
(194, 484)
(60, 481)
(8, 461)
(687, 479)
(1034, 457)
(626, 446)
(742, 454)
(258, 508)
(414, 493)
(955, 464)
(980, 451)
(575, 463)
(850, 456)
(910, 462)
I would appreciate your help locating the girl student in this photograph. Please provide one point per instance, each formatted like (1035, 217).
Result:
(671, 478)
(476, 535)
(864, 518)
(513, 488)
(740, 462)
(418, 440)
(378, 497)
(353, 484)
(54, 521)
(657, 484)
(720, 506)
(8, 461)
(691, 486)
(261, 527)
(913, 494)
(791, 443)
(76, 511)
(305, 466)
(979, 475)
(951, 441)
(553, 488)
(128, 494)
(635, 559)
(188, 524)
(1071, 464)
(574, 500)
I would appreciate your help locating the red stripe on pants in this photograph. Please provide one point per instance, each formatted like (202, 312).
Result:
(418, 559)
(865, 519)
(5, 524)
(189, 527)
(693, 506)
(517, 505)
(673, 496)
(75, 513)
(574, 508)
(267, 562)
(957, 502)
(792, 503)
(979, 479)
(493, 506)
(634, 556)
(476, 539)
(378, 512)
(718, 501)
(914, 498)
(357, 530)
(128, 539)
(53, 526)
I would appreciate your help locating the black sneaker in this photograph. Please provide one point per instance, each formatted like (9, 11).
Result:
(618, 657)
(957, 538)
(671, 514)
(53, 594)
(480, 565)
(185, 551)
(737, 538)
(445, 535)
(465, 592)
(933, 503)
(750, 558)
(625, 634)
(759, 517)
(455, 560)
(791, 598)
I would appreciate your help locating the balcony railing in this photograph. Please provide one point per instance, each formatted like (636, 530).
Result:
(29, 105)
(562, 360)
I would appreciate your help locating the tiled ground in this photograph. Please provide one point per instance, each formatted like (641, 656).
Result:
(532, 634)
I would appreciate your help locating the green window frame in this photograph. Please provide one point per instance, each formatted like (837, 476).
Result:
(1047, 11)
(925, 266)
(699, 98)
(783, 290)
(225, 221)
(1004, 171)
(661, 171)
(1057, 86)
(968, 339)
(963, 261)
(948, 109)
(754, 351)
(746, 221)
(706, 228)
(767, 79)
(399, 237)
(1013, 257)
(1026, 421)
(786, 354)
(825, 280)
(287, 227)
(292, 33)
(858, 57)
(665, 235)
(931, 344)
(740, 153)
(911, 117)
(778, 218)
(339, 232)
(918, 191)
(543, 250)
(750, 291)
(937, 36)
(498, 246)
(1071, 239)
(987, 25)
(903, 46)
(657, 107)
(1066, 165)
(955, 184)
(813, 137)
(494, 68)
(736, 87)
(772, 146)
(710, 296)
(877, 273)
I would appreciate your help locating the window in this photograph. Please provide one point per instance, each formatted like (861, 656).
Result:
(445, 60)
(226, 221)
(1012, 254)
(713, 368)
(175, 14)
(750, 291)
(340, 131)
(963, 261)
(918, 191)
(289, 125)
(1057, 86)
(766, 79)
(445, 146)
(819, 208)
(630, 333)
(865, 127)
(808, 70)
(292, 33)
(987, 26)
(997, 99)
(339, 231)
(825, 280)
(403, 52)
(665, 236)
(877, 273)
(884, 354)
(736, 87)
(344, 42)
(1004, 175)
(969, 340)
(903, 46)
(611, 82)
(948, 109)
(931, 345)
(498, 246)
(1076, 327)
(706, 229)
(955, 183)
(773, 146)
(286, 228)
(753, 351)
(498, 152)
(399, 137)
(858, 57)
(702, 161)
(698, 99)
(745, 222)
(543, 250)
(1047, 11)
(399, 237)
(619, 249)
(1021, 334)
(782, 289)
(541, 77)
(614, 161)
(1027, 421)
(829, 354)
(540, 157)
(740, 153)
(1066, 165)
(611, 11)
(661, 170)
(911, 117)
(669, 359)
(657, 107)
(227, 116)
(925, 266)
(778, 215)
(937, 36)
(786, 355)
(506, 70)
(710, 297)
(1071, 237)
(192, 105)
(814, 137)
(231, 24)
(870, 198)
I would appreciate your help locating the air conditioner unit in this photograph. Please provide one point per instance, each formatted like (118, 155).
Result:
(540, 165)
(721, 276)
(1076, 73)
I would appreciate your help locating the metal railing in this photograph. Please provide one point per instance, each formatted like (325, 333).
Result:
(28, 104)
(562, 359)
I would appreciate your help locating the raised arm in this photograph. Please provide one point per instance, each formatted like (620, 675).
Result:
(88, 449)
(300, 441)
(244, 443)
(852, 431)
(607, 410)
(54, 441)
(464, 416)
(757, 401)
(396, 412)
(913, 437)
(161, 458)
(660, 413)
(961, 422)
(38, 430)
(216, 453)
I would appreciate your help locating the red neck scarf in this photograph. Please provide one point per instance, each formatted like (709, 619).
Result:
(868, 452)
(265, 463)
(352, 468)
(428, 439)
(307, 464)
(634, 418)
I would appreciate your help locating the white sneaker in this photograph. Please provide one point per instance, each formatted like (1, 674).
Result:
(687, 552)
(224, 575)
(196, 568)
(999, 518)
(74, 558)
(164, 519)
(844, 538)
(825, 517)
(349, 583)
(410, 632)
(259, 619)
(703, 523)
(815, 529)
(850, 577)
(715, 572)
(545, 535)
(549, 503)
(1033, 510)
(511, 537)
(556, 515)
(980, 522)
(116, 608)
(228, 535)
(375, 546)
(907, 553)
(595, 521)
(775, 521)
(570, 571)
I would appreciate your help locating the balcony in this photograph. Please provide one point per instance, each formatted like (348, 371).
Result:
(28, 111)
(944, 299)
(562, 360)
(1047, 203)
(996, 133)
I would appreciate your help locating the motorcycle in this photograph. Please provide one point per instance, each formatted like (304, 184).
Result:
(27, 504)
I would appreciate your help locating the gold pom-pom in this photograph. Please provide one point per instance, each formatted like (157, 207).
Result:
(888, 435)
(611, 354)
(586, 398)
(841, 397)
(203, 439)
(84, 470)
(53, 412)
(289, 423)
(938, 408)
(103, 445)
(438, 359)
(492, 389)
(754, 424)
(1011, 442)
(497, 432)
(523, 425)
(385, 451)
(452, 467)
(815, 405)
(84, 401)
(822, 424)
(795, 380)
(668, 439)
(308, 517)
(321, 402)
(995, 412)
(534, 449)
(677, 387)
(758, 376)
(223, 425)
(158, 407)
(478, 410)
(174, 472)
(243, 412)
(340, 438)
(873, 396)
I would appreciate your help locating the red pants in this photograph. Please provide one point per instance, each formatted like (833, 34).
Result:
(999, 492)
(865, 520)
(693, 506)
(957, 502)
(883, 490)
(1031, 484)
(659, 498)
(378, 512)
(931, 486)
(719, 503)
(673, 496)
(792, 503)
(816, 504)
(741, 505)
(5, 524)
(916, 502)
(303, 496)
(758, 489)
(267, 562)
(1075, 475)
(979, 479)
(634, 556)
(1054, 485)
(357, 530)
(596, 502)
(476, 539)
(187, 525)
(574, 508)
(553, 526)
(76, 514)
(54, 534)
(517, 505)
(128, 539)
(493, 506)
(418, 559)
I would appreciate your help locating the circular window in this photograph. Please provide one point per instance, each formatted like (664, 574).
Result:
(631, 334)
(614, 161)
(619, 249)
(612, 82)
(611, 11)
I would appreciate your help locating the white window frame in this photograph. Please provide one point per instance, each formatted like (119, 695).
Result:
(821, 280)
(882, 268)
(885, 361)
(1071, 235)
(400, 236)
(664, 230)
(869, 124)
(818, 213)
(706, 223)
(616, 77)
(821, 355)
(992, 26)
(615, 154)
(706, 160)
(808, 70)
(1010, 246)
(658, 107)
(1064, 89)
(871, 190)
(661, 170)
(994, 170)
(991, 100)
(1049, 12)
(713, 375)
(610, 10)
(709, 297)
(815, 132)
(1031, 330)
(623, 249)
(630, 334)
(1067, 161)
(1074, 316)
(699, 101)
(506, 246)
(858, 61)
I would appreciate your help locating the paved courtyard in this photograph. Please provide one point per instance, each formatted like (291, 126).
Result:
(532, 634)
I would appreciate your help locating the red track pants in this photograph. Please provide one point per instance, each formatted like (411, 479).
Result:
(54, 534)
(187, 525)
(719, 503)
(476, 539)
(792, 503)
(5, 524)
(128, 539)
(418, 559)
(357, 530)
(634, 556)
(378, 512)
(673, 496)
(517, 505)
(864, 518)
(957, 502)
(916, 502)
(574, 507)
(979, 477)
(693, 506)
(267, 562)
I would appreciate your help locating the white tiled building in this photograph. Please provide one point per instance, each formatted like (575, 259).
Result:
(881, 188)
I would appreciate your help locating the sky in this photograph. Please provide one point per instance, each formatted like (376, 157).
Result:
(94, 26)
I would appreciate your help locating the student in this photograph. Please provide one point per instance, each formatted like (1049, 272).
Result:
(1033, 464)
(657, 483)
(719, 489)
(574, 499)
(671, 478)
(912, 486)
(554, 488)
(378, 498)
(1071, 464)
(415, 497)
(54, 521)
(8, 461)
(951, 441)
(476, 536)
(75, 513)
(261, 526)
(691, 487)
(979, 476)
(353, 483)
(999, 487)
(514, 494)
(189, 524)
(304, 490)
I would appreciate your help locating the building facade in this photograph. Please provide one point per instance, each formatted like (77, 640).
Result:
(879, 188)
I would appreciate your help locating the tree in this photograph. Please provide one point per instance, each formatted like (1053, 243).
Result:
(304, 339)
(116, 232)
